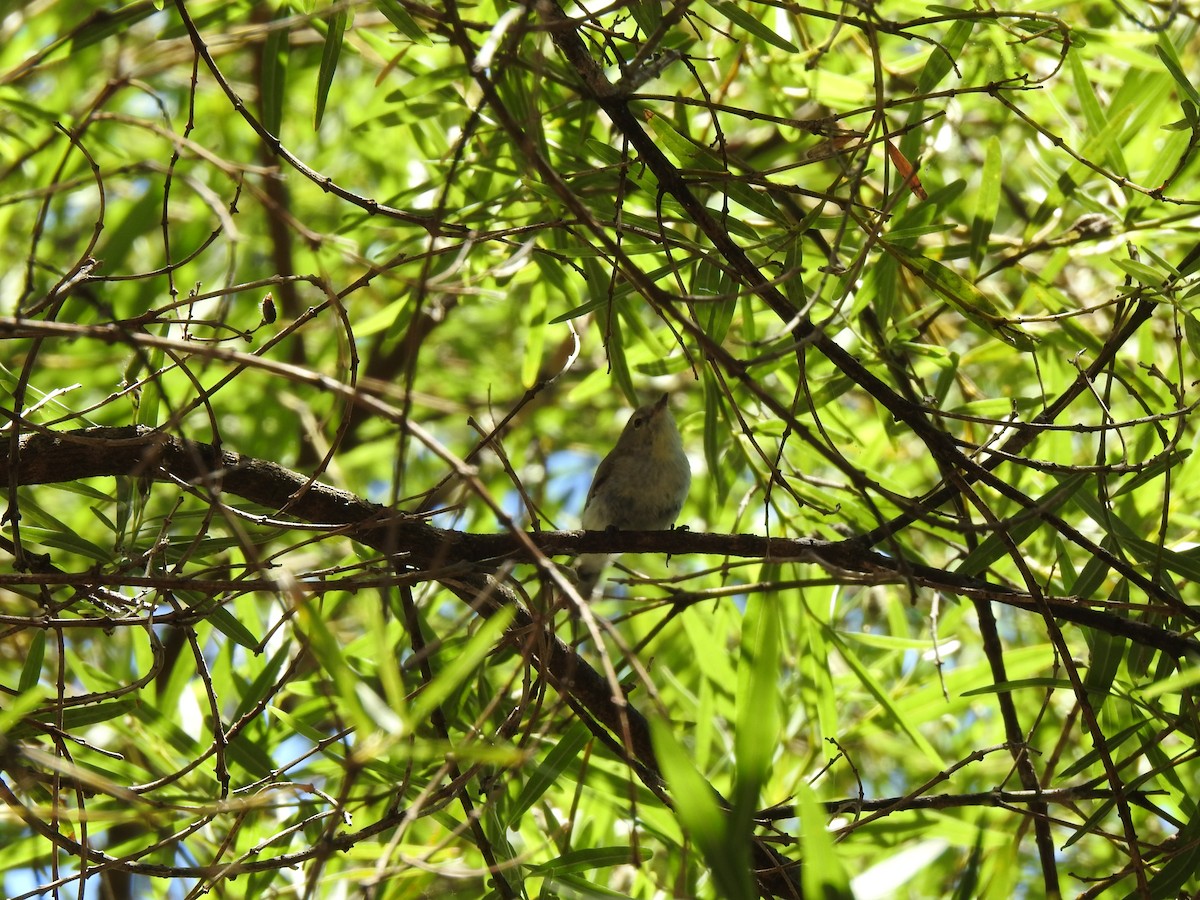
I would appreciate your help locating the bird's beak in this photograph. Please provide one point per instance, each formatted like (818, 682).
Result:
(661, 404)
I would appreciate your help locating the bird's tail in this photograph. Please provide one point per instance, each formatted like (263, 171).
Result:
(588, 569)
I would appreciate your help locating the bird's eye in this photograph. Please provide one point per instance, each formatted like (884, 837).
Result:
(637, 423)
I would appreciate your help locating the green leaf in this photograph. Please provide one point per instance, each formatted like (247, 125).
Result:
(701, 815)
(257, 690)
(745, 20)
(95, 713)
(227, 623)
(572, 887)
(714, 435)
(1020, 684)
(247, 751)
(150, 400)
(590, 859)
(65, 539)
(963, 296)
(987, 204)
(533, 320)
(404, 23)
(1112, 745)
(31, 669)
(547, 773)
(330, 54)
(14, 709)
(716, 314)
(1143, 273)
(105, 23)
(1176, 684)
(1170, 58)
(1108, 651)
(273, 82)
(757, 739)
(1096, 119)
(1191, 332)
(1181, 866)
(1155, 470)
(647, 13)
(461, 665)
(944, 54)
(1017, 529)
(822, 873)
(618, 361)
(868, 680)
(691, 155)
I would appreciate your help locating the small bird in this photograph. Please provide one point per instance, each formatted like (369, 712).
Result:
(639, 486)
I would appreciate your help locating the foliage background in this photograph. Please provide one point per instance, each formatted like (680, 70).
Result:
(962, 399)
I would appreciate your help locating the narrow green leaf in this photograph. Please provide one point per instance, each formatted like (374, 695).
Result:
(707, 748)
(256, 691)
(1181, 866)
(14, 709)
(1019, 684)
(329, 61)
(715, 437)
(533, 320)
(95, 713)
(617, 360)
(746, 21)
(1108, 651)
(1096, 119)
(330, 655)
(987, 204)
(964, 296)
(273, 82)
(462, 665)
(648, 14)
(793, 263)
(1176, 684)
(547, 773)
(590, 859)
(715, 315)
(700, 814)
(66, 539)
(1112, 743)
(405, 24)
(1191, 331)
(1170, 58)
(1185, 563)
(686, 151)
(967, 887)
(1068, 183)
(1103, 810)
(104, 23)
(757, 735)
(1143, 273)
(943, 55)
(819, 673)
(1156, 470)
(31, 669)
(572, 887)
(823, 874)
(875, 689)
(1084, 93)
(149, 402)
(1019, 527)
(690, 155)
(302, 728)
(227, 623)
(250, 754)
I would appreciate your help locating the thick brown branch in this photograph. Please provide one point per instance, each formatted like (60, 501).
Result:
(132, 451)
